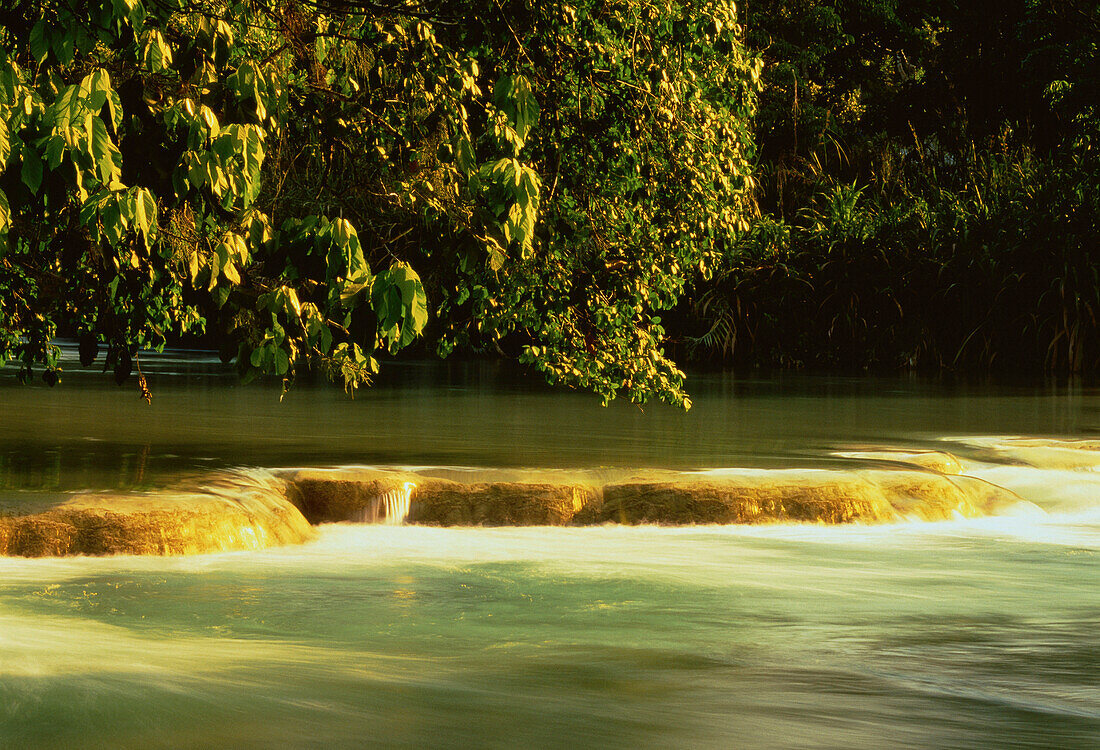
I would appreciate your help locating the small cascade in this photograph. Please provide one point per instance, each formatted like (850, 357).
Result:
(390, 508)
(243, 509)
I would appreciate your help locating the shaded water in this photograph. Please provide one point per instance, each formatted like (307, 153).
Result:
(976, 633)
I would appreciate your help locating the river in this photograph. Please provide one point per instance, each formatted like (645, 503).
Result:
(977, 633)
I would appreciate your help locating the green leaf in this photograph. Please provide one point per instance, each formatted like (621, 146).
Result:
(63, 48)
(104, 152)
(464, 154)
(136, 210)
(350, 252)
(195, 173)
(216, 262)
(210, 120)
(290, 301)
(114, 107)
(351, 291)
(149, 203)
(513, 96)
(528, 185)
(5, 143)
(282, 361)
(145, 212)
(417, 305)
(9, 78)
(238, 248)
(112, 220)
(67, 107)
(95, 88)
(526, 108)
(156, 55)
(32, 169)
(223, 258)
(39, 46)
(5, 213)
(55, 149)
(215, 177)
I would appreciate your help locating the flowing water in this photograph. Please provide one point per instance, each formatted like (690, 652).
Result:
(962, 634)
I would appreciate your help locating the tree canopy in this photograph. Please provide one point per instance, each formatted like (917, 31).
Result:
(588, 187)
(319, 183)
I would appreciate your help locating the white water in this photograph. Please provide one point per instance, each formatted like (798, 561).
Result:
(977, 633)
(968, 633)
(980, 633)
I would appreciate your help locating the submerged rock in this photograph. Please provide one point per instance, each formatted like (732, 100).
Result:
(333, 495)
(441, 503)
(352, 494)
(747, 497)
(760, 496)
(252, 510)
(227, 513)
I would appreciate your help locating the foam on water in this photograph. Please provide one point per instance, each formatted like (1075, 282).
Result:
(1055, 490)
(632, 637)
(1043, 453)
(39, 646)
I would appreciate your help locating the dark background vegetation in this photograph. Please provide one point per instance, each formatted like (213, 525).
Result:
(928, 181)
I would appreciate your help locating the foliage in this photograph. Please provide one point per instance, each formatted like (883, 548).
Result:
(643, 147)
(928, 183)
(134, 138)
(280, 176)
(990, 277)
(315, 185)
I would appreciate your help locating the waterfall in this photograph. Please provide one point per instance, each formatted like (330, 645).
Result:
(390, 508)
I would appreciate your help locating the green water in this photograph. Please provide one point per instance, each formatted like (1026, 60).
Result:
(967, 634)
